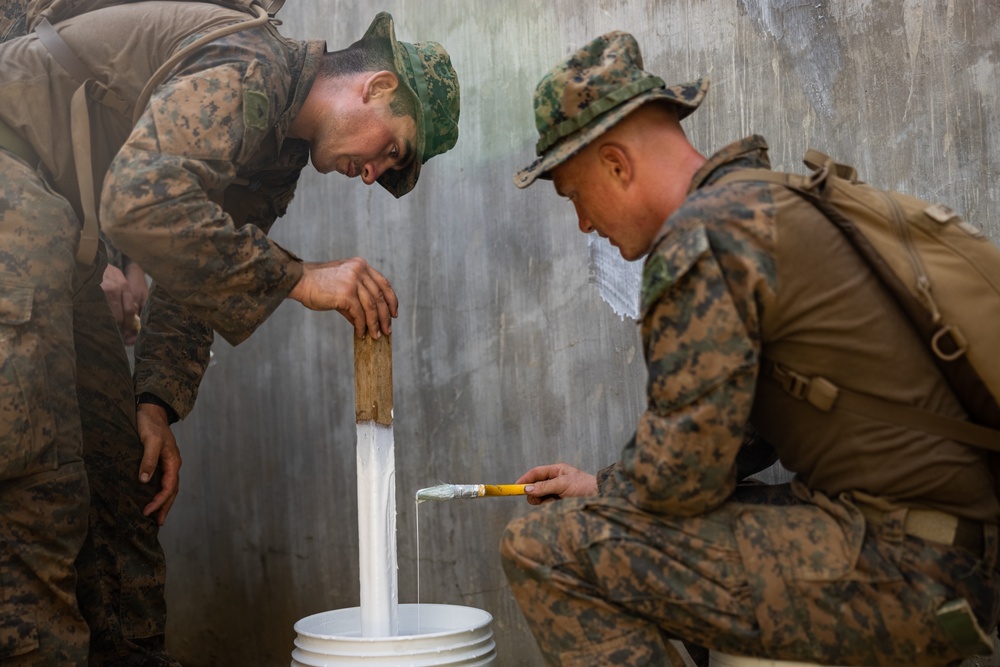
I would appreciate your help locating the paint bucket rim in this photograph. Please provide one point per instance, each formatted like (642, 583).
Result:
(486, 618)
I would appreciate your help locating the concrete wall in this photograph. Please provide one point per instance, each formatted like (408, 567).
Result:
(509, 350)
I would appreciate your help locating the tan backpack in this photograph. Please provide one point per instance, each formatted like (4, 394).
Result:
(943, 272)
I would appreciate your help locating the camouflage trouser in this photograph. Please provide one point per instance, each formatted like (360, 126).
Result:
(603, 583)
(81, 569)
(12, 19)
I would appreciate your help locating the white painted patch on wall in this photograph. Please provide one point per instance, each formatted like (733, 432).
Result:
(618, 281)
(984, 77)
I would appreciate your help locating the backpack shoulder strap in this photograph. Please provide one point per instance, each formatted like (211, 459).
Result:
(80, 132)
(808, 186)
(71, 62)
(262, 17)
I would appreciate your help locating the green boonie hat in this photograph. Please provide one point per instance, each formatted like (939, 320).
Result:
(586, 94)
(428, 77)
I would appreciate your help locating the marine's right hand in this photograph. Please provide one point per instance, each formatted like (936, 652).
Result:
(557, 480)
(354, 289)
(159, 450)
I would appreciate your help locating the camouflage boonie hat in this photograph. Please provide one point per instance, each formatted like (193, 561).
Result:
(586, 94)
(428, 77)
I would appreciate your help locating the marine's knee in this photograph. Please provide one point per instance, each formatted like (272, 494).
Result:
(524, 547)
(547, 537)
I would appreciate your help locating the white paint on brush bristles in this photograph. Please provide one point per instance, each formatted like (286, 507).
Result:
(449, 492)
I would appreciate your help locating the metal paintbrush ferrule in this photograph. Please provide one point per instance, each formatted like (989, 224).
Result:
(469, 490)
(453, 491)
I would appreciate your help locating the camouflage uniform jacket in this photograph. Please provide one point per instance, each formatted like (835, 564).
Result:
(191, 190)
(748, 270)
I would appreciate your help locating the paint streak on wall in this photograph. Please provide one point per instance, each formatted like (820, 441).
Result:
(807, 35)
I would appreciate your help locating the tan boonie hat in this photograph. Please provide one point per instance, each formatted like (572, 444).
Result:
(583, 96)
(427, 75)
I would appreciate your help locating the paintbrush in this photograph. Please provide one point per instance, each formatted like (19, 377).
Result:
(452, 491)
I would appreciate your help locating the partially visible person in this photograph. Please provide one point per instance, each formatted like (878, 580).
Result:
(883, 549)
(191, 186)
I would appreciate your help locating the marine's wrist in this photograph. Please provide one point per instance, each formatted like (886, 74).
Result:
(153, 399)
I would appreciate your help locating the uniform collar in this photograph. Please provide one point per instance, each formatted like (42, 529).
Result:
(307, 67)
(747, 153)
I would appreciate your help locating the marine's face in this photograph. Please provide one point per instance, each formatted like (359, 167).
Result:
(366, 142)
(600, 203)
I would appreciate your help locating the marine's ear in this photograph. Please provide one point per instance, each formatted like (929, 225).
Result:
(616, 162)
(378, 84)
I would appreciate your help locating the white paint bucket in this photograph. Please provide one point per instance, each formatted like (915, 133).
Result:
(449, 635)
(717, 659)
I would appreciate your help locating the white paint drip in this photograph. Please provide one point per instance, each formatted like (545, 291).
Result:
(377, 530)
(416, 505)
(618, 281)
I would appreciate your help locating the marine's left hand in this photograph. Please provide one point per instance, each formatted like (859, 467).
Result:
(159, 446)
(118, 291)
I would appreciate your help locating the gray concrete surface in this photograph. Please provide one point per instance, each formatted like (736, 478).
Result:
(505, 353)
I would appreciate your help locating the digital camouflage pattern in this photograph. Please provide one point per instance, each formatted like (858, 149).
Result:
(121, 567)
(429, 78)
(43, 486)
(583, 96)
(601, 582)
(172, 350)
(13, 19)
(66, 575)
(673, 548)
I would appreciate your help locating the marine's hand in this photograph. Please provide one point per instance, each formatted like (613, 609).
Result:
(123, 306)
(159, 446)
(557, 480)
(354, 289)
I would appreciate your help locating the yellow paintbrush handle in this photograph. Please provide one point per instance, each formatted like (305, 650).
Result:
(502, 490)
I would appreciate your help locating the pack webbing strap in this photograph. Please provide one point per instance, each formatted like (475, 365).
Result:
(67, 58)
(61, 51)
(80, 124)
(826, 396)
(776, 177)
